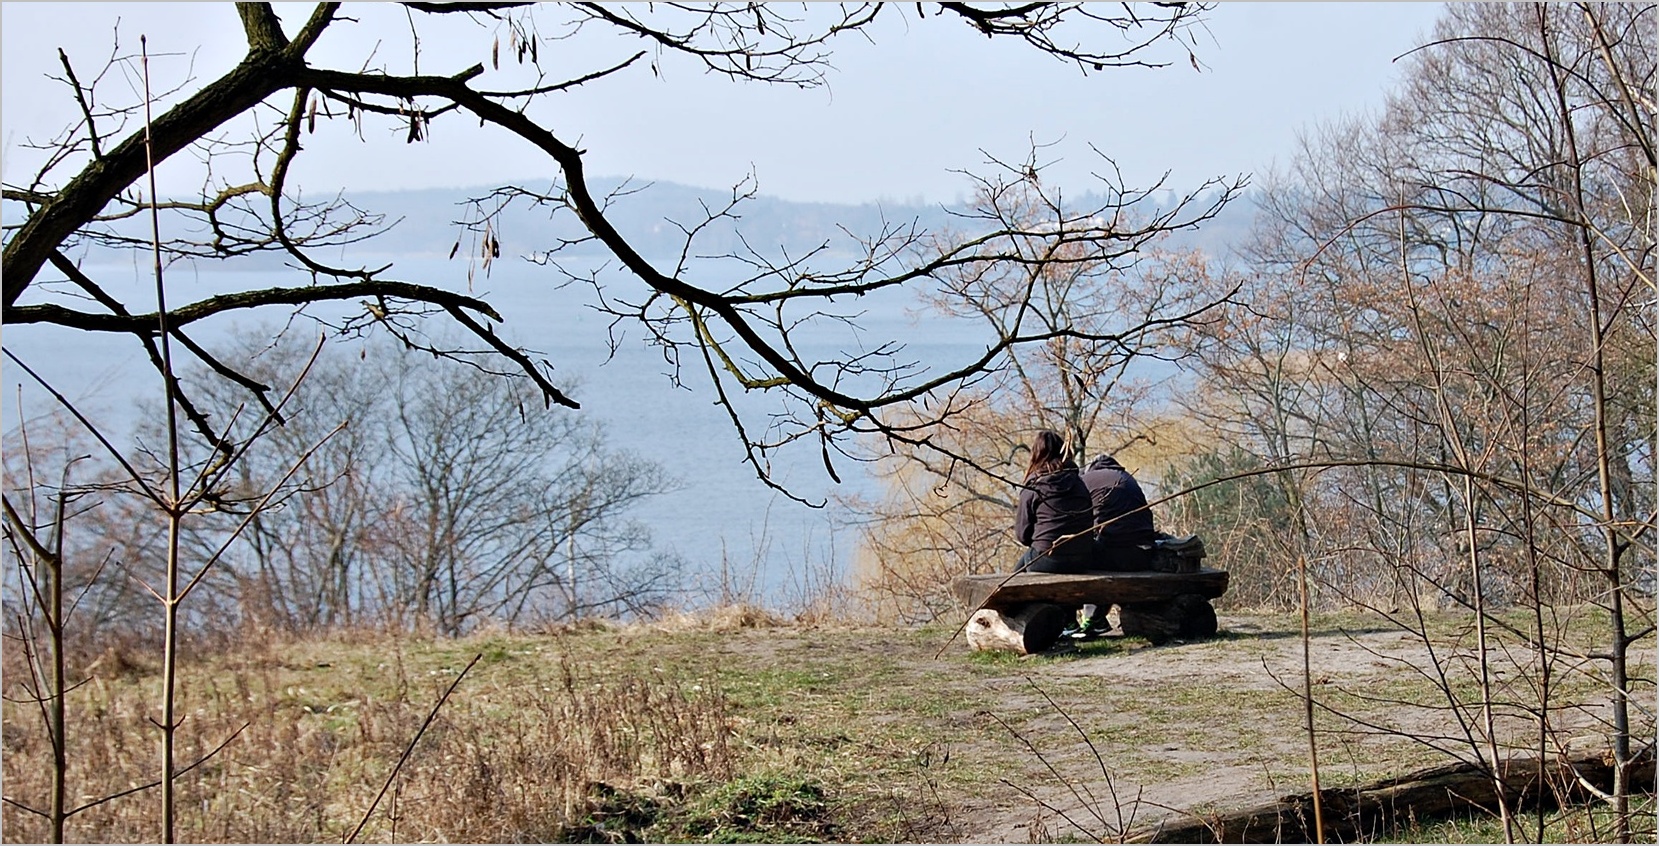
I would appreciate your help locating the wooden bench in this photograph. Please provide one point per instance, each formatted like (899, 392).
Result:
(1025, 613)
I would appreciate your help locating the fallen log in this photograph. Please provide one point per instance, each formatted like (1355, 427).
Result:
(1384, 807)
(1025, 630)
(1186, 617)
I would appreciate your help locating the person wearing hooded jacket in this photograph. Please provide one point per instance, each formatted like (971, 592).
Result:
(1054, 504)
(1125, 535)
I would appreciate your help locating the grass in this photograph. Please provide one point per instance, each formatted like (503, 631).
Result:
(697, 732)
(1576, 825)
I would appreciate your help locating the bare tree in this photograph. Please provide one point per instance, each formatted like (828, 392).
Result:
(92, 541)
(38, 624)
(1448, 324)
(742, 332)
(246, 128)
(446, 500)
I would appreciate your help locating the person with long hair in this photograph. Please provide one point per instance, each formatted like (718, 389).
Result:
(1054, 518)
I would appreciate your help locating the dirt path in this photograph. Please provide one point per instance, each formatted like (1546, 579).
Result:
(927, 740)
(1192, 727)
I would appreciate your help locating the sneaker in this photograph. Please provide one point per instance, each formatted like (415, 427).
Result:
(1085, 629)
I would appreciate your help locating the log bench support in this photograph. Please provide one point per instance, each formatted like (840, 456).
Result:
(1025, 613)
(1186, 617)
(1023, 630)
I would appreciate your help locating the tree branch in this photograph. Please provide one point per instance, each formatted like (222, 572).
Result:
(262, 27)
(257, 77)
(145, 324)
(450, 8)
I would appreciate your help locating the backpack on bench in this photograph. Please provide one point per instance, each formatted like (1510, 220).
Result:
(1172, 554)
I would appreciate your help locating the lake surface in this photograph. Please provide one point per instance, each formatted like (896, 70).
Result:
(726, 524)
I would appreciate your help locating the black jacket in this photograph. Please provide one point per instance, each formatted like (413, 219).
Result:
(1114, 492)
(1052, 506)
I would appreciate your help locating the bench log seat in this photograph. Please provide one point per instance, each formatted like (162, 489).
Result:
(1025, 613)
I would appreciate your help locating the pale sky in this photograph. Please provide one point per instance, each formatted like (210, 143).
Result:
(896, 120)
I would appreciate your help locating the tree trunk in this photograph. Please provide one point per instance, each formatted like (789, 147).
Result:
(1379, 809)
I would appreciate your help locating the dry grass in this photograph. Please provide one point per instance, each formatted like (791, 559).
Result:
(594, 732)
(727, 618)
(727, 726)
(538, 754)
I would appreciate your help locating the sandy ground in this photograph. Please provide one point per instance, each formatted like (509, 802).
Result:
(1076, 800)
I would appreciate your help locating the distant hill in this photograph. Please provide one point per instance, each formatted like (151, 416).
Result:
(425, 222)
(648, 214)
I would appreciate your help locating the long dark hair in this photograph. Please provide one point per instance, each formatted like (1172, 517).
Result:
(1048, 455)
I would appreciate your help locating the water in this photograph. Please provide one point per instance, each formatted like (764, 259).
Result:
(723, 520)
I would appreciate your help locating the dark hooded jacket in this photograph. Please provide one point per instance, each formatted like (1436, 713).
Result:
(1050, 507)
(1114, 492)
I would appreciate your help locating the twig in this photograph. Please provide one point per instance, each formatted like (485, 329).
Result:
(157, 783)
(138, 478)
(408, 750)
(131, 790)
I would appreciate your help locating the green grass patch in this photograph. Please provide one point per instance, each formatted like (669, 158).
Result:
(762, 808)
(1590, 824)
